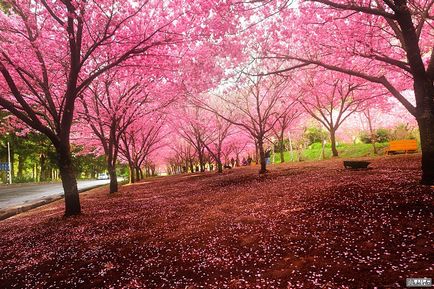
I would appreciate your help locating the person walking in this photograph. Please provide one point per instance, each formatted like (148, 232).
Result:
(267, 156)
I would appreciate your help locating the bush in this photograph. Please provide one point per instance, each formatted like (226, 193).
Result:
(23, 179)
(315, 135)
(382, 135)
(365, 137)
(277, 145)
(403, 131)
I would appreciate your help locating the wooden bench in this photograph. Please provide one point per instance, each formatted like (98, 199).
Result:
(402, 146)
(356, 164)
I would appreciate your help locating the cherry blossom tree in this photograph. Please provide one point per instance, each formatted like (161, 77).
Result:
(388, 43)
(110, 106)
(331, 98)
(139, 141)
(181, 158)
(239, 143)
(372, 113)
(55, 50)
(284, 122)
(192, 128)
(218, 131)
(256, 108)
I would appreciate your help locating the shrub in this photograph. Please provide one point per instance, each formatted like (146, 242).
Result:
(404, 131)
(382, 135)
(365, 137)
(315, 135)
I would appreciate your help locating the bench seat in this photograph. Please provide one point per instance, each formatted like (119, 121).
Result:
(402, 146)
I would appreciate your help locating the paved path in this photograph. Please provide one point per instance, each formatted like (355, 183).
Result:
(22, 194)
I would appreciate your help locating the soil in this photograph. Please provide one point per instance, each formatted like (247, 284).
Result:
(304, 225)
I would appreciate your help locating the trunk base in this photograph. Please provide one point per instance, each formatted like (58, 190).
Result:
(427, 179)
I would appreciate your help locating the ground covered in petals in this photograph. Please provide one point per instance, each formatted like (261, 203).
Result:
(308, 225)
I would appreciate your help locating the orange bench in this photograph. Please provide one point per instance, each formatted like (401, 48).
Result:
(402, 146)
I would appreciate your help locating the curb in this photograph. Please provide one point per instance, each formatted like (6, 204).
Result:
(10, 212)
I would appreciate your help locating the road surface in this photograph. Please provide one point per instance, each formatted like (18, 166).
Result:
(23, 194)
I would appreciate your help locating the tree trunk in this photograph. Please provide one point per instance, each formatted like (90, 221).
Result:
(131, 174)
(113, 178)
(43, 165)
(333, 142)
(323, 157)
(21, 160)
(373, 140)
(282, 147)
(290, 147)
(219, 167)
(371, 131)
(263, 162)
(69, 181)
(282, 150)
(426, 127)
(257, 152)
(138, 173)
(201, 161)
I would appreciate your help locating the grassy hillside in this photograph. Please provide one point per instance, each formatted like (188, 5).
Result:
(345, 151)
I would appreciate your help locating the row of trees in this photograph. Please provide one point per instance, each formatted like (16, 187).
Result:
(104, 72)
(387, 44)
(58, 53)
(259, 111)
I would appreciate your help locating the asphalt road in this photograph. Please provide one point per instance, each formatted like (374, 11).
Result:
(22, 194)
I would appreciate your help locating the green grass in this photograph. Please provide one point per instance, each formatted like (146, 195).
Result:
(344, 150)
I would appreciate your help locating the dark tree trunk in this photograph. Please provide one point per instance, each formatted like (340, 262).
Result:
(263, 162)
(333, 142)
(69, 181)
(132, 179)
(201, 161)
(137, 173)
(21, 160)
(371, 131)
(43, 165)
(113, 178)
(257, 152)
(282, 149)
(219, 167)
(426, 127)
